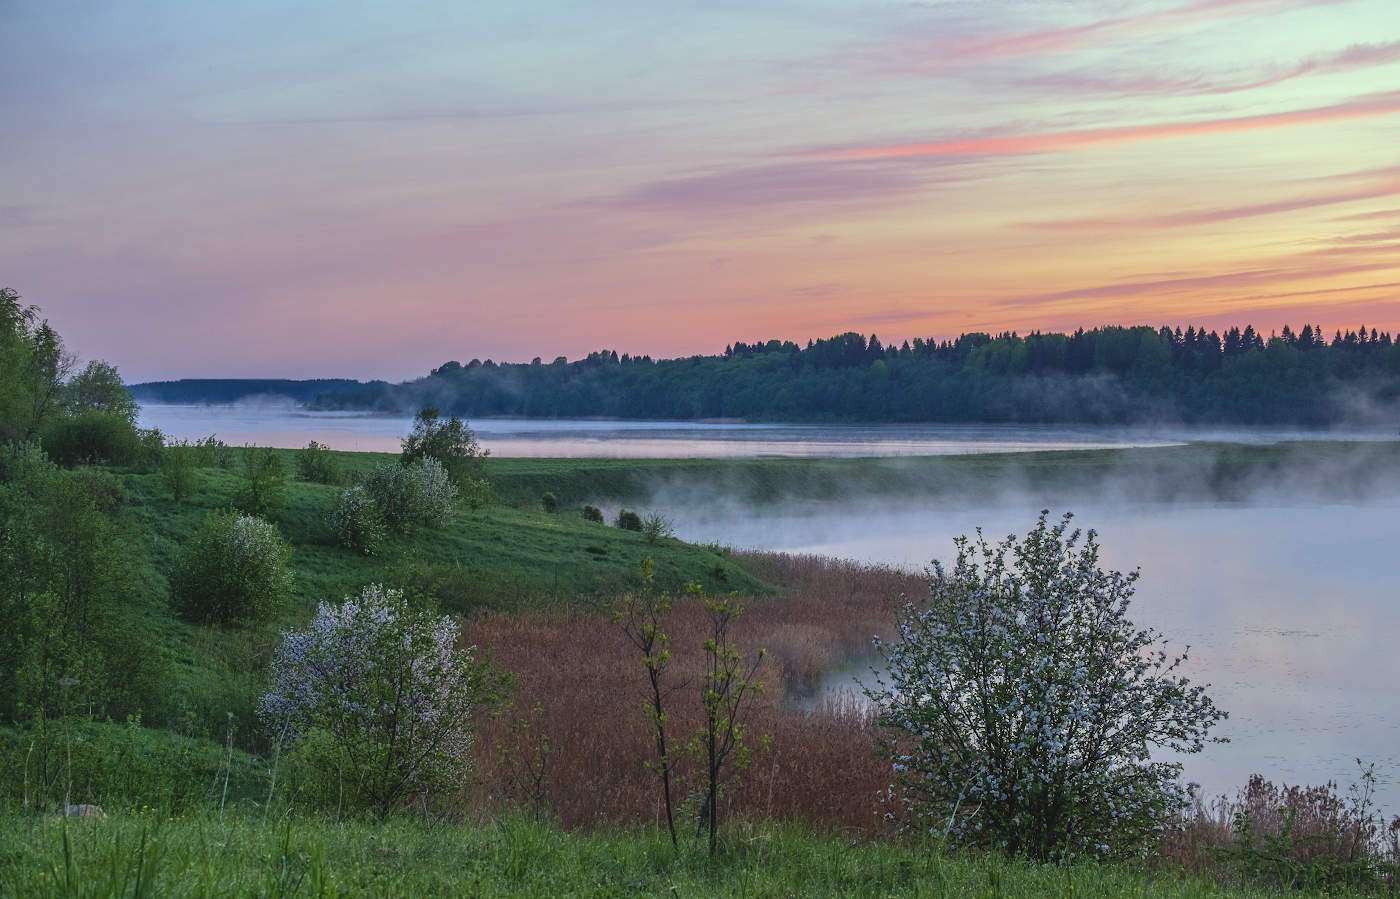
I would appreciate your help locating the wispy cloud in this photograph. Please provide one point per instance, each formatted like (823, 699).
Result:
(1211, 216)
(916, 52)
(1244, 278)
(785, 185)
(1386, 103)
(1157, 83)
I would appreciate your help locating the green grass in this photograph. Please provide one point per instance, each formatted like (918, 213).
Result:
(148, 852)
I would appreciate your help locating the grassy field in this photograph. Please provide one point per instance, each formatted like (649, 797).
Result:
(147, 853)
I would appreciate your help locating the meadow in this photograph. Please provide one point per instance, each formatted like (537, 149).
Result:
(563, 800)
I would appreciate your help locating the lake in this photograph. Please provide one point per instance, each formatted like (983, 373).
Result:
(1287, 597)
(283, 424)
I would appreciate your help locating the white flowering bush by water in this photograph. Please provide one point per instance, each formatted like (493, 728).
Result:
(234, 569)
(418, 493)
(1019, 705)
(379, 695)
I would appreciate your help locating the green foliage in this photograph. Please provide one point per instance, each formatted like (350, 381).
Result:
(232, 570)
(416, 494)
(550, 503)
(727, 682)
(592, 513)
(450, 442)
(656, 526)
(477, 493)
(98, 388)
(73, 634)
(1020, 705)
(264, 488)
(378, 692)
(628, 520)
(179, 469)
(357, 521)
(93, 437)
(317, 464)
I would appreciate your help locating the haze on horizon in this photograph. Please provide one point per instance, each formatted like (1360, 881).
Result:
(196, 190)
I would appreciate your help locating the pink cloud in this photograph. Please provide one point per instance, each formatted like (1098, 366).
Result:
(1386, 103)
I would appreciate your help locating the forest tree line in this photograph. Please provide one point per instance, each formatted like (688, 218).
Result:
(1108, 375)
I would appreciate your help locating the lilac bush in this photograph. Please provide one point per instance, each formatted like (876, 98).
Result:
(1020, 705)
(382, 692)
(233, 569)
(357, 522)
(418, 493)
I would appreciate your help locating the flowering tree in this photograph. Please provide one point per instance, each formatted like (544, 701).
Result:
(417, 493)
(1020, 704)
(384, 689)
(234, 569)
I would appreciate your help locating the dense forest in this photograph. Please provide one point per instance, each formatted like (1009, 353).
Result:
(229, 390)
(1104, 375)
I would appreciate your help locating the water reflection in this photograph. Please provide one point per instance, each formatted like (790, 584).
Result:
(1289, 610)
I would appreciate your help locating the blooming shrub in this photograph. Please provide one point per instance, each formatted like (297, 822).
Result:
(1020, 704)
(234, 569)
(420, 493)
(357, 522)
(379, 692)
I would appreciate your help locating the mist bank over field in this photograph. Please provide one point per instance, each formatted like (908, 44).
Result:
(1110, 375)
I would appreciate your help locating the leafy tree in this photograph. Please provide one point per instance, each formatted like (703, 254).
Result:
(656, 526)
(419, 493)
(98, 388)
(450, 442)
(357, 521)
(1020, 705)
(317, 464)
(640, 616)
(264, 487)
(380, 692)
(628, 520)
(726, 683)
(232, 570)
(178, 469)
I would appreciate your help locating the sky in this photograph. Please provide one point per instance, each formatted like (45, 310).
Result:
(350, 189)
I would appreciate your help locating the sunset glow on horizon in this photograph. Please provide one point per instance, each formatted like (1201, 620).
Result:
(316, 190)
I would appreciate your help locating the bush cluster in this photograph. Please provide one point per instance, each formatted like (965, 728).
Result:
(357, 522)
(317, 464)
(628, 520)
(416, 494)
(233, 570)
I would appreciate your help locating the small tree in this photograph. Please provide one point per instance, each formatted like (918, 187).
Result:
(234, 569)
(317, 464)
(419, 493)
(384, 691)
(450, 442)
(628, 520)
(592, 513)
(264, 487)
(357, 521)
(178, 469)
(549, 502)
(727, 683)
(655, 526)
(640, 618)
(1020, 704)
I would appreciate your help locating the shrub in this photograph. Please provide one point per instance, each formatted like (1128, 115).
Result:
(592, 513)
(415, 494)
(93, 437)
(1020, 704)
(234, 569)
(379, 691)
(317, 464)
(178, 470)
(264, 481)
(655, 526)
(477, 493)
(357, 522)
(550, 502)
(628, 520)
(450, 442)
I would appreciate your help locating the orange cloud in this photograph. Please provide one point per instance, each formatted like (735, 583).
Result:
(1386, 103)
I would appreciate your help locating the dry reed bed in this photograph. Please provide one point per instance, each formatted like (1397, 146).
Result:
(589, 685)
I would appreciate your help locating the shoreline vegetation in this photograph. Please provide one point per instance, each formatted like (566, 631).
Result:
(1106, 375)
(306, 672)
(561, 778)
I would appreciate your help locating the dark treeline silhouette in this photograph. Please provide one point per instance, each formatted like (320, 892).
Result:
(229, 390)
(1104, 375)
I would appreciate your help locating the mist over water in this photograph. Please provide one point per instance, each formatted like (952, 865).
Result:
(1287, 599)
(1285, 581)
